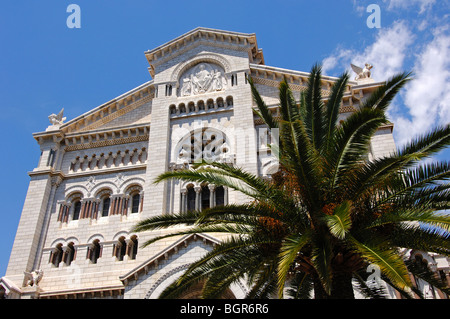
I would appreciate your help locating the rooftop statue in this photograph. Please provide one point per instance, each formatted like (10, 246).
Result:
(33, 278)
(57, 119)
(362, 73)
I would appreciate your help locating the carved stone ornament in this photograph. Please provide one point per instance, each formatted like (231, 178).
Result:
(57, 119)
(362, 73)
(90, 183)
(202, 78)
(33, 278)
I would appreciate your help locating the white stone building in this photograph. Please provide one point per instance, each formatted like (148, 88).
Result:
(94, 179)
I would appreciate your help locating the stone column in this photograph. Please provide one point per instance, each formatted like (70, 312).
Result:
(212, 195)
(183, 202)
(198, 197)
(225, 195)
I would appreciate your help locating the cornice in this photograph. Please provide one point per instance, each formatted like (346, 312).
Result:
(102, 291)
(62, 176)
(204, 36)
(107, 137)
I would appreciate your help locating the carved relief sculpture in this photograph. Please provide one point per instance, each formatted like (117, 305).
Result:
(202, 78)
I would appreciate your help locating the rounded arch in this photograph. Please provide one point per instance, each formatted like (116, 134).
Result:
(189, 184)
(102, 186)
(102, 191)
(237, 290)
(131, 182)
(213, 141)
(199, 58)
(120, 234)
(94, 237)
(133, 189)
(58, 241)
(73, 191)
(73, 240)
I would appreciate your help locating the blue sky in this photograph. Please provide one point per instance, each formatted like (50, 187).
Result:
(44, 65)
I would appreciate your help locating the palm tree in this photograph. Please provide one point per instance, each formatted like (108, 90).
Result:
(329, 212)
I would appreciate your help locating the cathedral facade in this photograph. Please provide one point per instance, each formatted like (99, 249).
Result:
(95, 176)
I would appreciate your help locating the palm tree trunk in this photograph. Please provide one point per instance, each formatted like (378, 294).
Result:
(342, 287)
(319, 292)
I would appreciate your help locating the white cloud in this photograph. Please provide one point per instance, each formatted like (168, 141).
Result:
(425, 102)
(427, 97)
(424, 5)
(386, 54)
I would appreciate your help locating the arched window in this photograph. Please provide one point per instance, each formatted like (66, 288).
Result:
(220, 196)
(210, 104)
(229, 101)
(190, 198)
(191, 107)
(69, 254)
(133, 247)
(105, 206)
(120, 248)
(201, 105)
(173, 109)
(76, 210)
(94, 251)
(205, 197)
(56, 255)
(220, 102)
(135, 201)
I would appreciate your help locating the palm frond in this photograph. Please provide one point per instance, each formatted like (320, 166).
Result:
(288, 253)
(332, 108)
(300, 287)
(422, 238)
(314, 119)
(383, 96)
(352, 143)
(424, 273)
(427, 144)
(263, 111)
(389, 261)
(339, 223)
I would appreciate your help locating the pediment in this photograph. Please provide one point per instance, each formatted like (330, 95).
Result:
(204, 36)
(147, 265)
(115, 113)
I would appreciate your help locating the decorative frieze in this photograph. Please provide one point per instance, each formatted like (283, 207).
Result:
(119, 158)
(111, 137)
(110, 111)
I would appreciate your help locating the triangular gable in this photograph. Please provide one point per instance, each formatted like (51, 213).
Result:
(110, 111)
(213, 37)
(145, 267)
